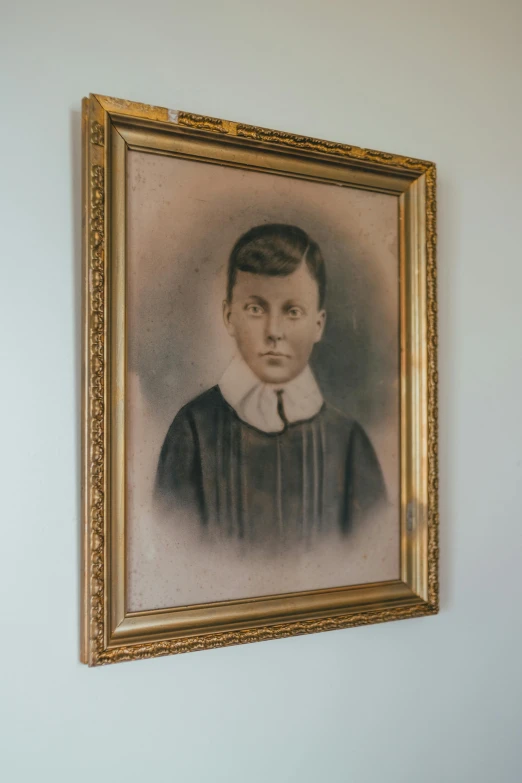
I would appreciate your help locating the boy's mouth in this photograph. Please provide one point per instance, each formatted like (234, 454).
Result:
(276, 353)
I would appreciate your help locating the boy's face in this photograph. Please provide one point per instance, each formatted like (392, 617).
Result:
(275, 322)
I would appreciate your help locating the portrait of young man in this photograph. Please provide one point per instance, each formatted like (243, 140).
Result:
(261, 455)
(263, 384)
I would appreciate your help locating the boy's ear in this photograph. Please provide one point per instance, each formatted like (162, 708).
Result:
(321, 321)
(227, 312)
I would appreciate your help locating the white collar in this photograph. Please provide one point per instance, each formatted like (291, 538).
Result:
(255, 402)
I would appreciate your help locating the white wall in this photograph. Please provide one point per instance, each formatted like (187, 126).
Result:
(431, 700)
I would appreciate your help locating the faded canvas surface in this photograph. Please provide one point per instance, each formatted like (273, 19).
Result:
(183, 220)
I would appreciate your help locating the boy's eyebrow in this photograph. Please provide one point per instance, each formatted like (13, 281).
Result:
(258, 299)
(293, 303)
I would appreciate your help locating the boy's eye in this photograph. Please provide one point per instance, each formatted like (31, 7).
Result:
(295, 312)
(254, 309)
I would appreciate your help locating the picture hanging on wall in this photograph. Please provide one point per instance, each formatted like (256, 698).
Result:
(260, 387)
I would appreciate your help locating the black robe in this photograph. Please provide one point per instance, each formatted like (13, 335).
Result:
(315, 476)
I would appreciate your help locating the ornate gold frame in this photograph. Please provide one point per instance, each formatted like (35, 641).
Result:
(109, 632)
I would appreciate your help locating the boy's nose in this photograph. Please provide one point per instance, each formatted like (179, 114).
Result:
(274, 330)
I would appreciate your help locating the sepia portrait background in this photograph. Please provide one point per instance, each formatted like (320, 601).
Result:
(183, 219)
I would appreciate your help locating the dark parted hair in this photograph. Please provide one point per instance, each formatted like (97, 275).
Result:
(276, 249)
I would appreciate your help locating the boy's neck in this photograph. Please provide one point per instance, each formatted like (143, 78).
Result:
(255, 401)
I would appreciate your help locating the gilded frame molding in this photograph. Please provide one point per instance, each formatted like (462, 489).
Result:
(109, 633)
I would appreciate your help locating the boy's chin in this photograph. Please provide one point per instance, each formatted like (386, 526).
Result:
(275, 374)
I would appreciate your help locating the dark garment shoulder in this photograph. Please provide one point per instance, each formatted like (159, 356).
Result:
(316, 475)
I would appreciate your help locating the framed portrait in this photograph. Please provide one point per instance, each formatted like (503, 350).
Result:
(259, 384)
